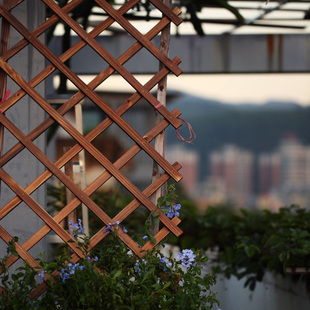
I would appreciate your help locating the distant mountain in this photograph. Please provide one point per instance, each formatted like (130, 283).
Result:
(191, 105)
(258, 128)
(270, 105)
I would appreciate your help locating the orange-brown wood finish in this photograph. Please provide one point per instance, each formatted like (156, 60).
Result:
(112, 169)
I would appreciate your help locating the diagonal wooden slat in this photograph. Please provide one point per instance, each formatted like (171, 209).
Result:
(51, 166)
(149, 136)
(99, 156)
(138, 36)
(113, 117)
(54, 19)
(135, 204)
(6, 237)
(11, 4)
(77, 148)
(101, 234)
(79, 96)
(113, 62)
(104, 177)
(40, 212)
(167, 12)
(5, 36)
(5, 33)
(35, 238)
(81, 139)
(87, 91)
(159, 236)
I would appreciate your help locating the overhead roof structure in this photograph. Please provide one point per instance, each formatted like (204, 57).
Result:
(274, 38)
(259, 17)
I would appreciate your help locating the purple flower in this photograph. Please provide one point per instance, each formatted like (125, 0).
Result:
(187, 258)
(144, 237)
(137, 267)
(41, 274)
(171, 212)
(162, 260)
(111, 227)
(90, 260)
(64, 275)
(108, 229)
(70, 270)
(166, 264)
(76, 228)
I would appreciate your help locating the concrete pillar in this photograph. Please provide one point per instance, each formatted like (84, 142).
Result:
(26, 115)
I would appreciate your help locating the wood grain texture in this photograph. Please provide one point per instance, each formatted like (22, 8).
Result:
(78, 195)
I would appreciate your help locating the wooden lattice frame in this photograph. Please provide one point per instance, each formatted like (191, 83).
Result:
(84, 142)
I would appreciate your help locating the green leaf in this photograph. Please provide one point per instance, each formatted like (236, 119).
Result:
(166, 285)
(151, 237)
(118, 273)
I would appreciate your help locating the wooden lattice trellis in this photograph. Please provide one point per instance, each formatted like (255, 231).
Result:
(84, 142)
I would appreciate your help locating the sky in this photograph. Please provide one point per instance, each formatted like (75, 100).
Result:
(240, 88)
(254, 88)
(229, 88)
(245, 88)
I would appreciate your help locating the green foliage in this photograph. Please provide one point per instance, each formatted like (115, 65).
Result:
(250, 243)
(111, 276)
(111, 201)
(247, 243)
(124, 282)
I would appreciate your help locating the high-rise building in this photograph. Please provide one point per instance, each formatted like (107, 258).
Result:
(286, 172)
(234, 167)
(269, 172)
(295, 163)
(190, 164)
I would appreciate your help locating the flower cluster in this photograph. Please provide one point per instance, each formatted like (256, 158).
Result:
(137, 265)
(187, 258)
(111, 227)
(71, 269)
(172, 211)
(76, 228)
(41, 274)
(153, 281)
(90, 260)
(163, 260)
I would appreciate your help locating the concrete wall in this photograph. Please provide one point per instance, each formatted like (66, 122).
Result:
(26, 115)
(277, 53)
(275, 292)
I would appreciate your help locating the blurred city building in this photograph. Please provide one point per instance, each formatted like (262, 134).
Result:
(284, 175)
(189, 160)
(269, 171)
(113, 143)
(231, 176)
